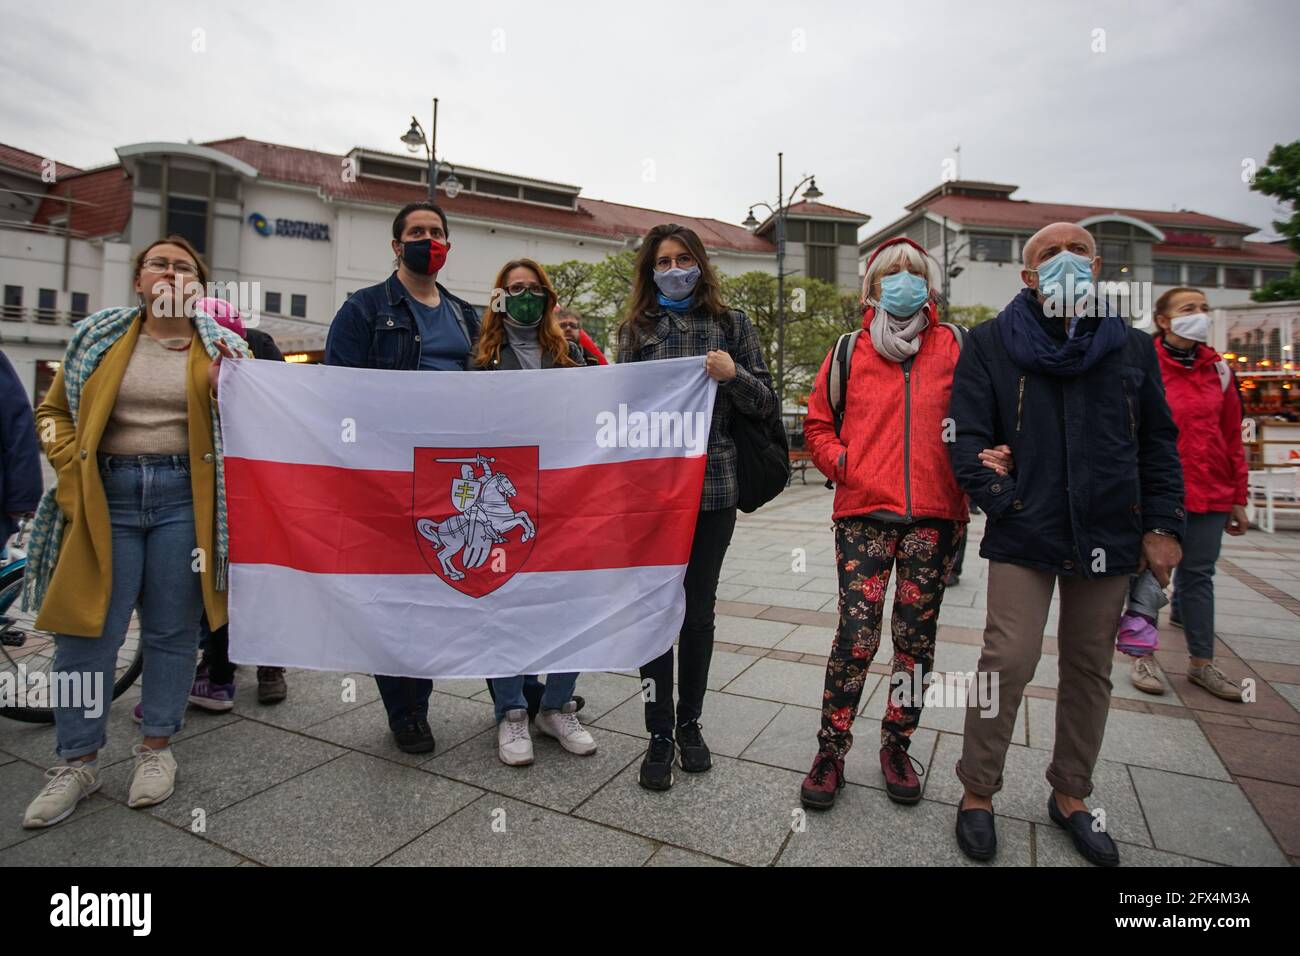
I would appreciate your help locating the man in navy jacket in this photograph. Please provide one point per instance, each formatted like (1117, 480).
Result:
(1096, 495)
(20, 452)
(407, 322)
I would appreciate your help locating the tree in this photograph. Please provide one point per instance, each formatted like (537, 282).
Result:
(816, 314)
(1280, 178)
(597, 291)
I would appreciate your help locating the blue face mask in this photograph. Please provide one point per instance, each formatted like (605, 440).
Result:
(677, 283)
(902, 293)
(1053, 275)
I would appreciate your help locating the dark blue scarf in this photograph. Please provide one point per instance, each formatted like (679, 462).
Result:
(676, 305)
(1034, 350)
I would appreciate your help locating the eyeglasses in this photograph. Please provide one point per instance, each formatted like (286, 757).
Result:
(518, 288)
(684, 261)
(158, 266)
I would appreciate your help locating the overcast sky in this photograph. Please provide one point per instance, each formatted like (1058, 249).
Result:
(682, 106)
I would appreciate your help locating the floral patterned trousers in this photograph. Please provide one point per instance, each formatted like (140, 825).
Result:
(866, 551)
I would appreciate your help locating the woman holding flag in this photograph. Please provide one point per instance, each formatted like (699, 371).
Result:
(675, 310)
(520, 332)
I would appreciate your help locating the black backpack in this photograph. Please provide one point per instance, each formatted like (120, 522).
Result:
(762, 454)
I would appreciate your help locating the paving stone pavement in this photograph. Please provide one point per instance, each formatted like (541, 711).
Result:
(1184, 779)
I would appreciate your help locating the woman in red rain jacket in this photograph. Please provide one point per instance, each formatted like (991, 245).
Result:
(1202, 394)
(896, 503)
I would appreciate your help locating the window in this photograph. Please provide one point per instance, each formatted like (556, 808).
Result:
(47, 304)
(493, 188)
(548, 196)
(990, 248)
(1116, 259)
(298, 306)
(13, 307)
(821, 263)
(848, 234)
(1201, 275)
(1238, 277)
(273, 303)
(821, 232)
(1272, 275)
(1167, 273)
(80, 306)
(377, 167)
(796, 231)
(227, 186)
(189, 218)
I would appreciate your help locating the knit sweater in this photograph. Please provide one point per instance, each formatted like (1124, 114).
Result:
(150, 416)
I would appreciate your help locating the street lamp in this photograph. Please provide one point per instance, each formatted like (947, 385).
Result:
(811, 194)
(414, 138)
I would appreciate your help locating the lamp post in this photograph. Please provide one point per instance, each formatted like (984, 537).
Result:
(950, 268)
(414, 138)
(811, 194)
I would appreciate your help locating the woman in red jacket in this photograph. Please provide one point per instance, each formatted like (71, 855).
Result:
(1203, 397)
(896, 502)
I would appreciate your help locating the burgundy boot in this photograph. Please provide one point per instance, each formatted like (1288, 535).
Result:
(901, 781)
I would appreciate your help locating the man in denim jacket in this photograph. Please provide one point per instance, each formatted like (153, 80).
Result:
(408, 321)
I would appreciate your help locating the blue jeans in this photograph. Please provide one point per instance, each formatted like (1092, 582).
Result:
(1193, 599)
(509, 692)
(151, 511)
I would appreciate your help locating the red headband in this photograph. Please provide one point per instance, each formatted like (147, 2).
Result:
(893, 242)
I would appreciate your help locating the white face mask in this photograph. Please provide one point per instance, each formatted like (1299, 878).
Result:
(1195, 327)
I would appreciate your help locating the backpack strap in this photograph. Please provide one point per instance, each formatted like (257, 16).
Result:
(1225, 374)
(837, 385)
(958, 333)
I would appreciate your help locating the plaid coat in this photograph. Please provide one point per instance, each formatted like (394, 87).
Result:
(678, 335)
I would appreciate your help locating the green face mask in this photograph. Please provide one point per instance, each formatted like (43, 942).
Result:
(526, 308)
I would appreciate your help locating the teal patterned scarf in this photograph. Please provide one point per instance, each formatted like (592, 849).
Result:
(94, 336)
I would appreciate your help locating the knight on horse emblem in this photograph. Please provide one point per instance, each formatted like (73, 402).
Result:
(483, 516)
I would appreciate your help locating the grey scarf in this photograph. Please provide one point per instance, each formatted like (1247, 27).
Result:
(897, 339)
(523, 342)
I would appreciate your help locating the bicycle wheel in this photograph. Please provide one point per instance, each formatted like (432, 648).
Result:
(27, 656)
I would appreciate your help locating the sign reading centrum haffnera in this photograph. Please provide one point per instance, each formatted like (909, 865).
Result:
(291, 228)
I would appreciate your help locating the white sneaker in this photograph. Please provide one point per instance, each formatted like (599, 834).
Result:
(69, 785)
(154, 777)
(514, 746)
(563, 725)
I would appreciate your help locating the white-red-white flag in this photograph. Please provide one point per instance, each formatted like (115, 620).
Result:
(461, 525)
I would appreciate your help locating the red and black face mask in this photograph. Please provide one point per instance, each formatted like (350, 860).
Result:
(424, 256)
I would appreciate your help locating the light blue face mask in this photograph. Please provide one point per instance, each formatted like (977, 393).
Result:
(677, 283)
(902, 293)
(1053, 274)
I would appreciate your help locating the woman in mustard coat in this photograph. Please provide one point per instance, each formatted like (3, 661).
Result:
(136, 519)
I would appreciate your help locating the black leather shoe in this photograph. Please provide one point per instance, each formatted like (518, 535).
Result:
(976, 834)
(415, 738)
(692, 752)
(1095, 846)
(657, 767)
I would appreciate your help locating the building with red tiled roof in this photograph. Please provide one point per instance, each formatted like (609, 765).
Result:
(24, 177)
(978, 230)
(296, 231)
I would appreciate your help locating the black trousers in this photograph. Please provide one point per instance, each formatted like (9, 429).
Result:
(695, 644)
(405, 698)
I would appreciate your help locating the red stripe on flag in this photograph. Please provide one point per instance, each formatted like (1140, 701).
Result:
(329, 520)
